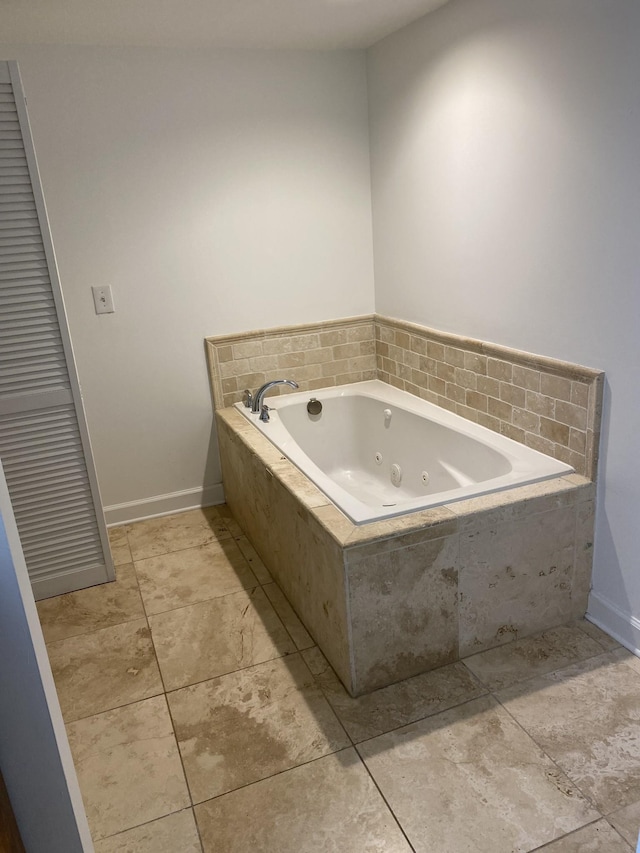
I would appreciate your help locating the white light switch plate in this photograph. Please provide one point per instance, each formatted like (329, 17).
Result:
(103, 300)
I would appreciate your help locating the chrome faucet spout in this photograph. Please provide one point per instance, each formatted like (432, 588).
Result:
(256, 403)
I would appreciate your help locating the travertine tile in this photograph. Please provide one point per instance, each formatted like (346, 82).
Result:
(397, 705)
(175, 532)
(176, 833)
(93, 608)
(533, 656)
(598, 837)
(587, 718)
(608, 643)
(120, 551)
(471, 779)
(251, 724)
(581, 581)
(229, 521)
(105, 669)
(128, 766)
(627, 822)
(326, 806)
(404, 612)
(285, 611)
(253, 559)
(195, 574)
(515, 579)
(217, 636)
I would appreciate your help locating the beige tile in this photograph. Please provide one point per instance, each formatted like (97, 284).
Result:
(195, 574)
(285, 611)
(251, 556)
(537, 655)
(515, 579)
(607, 642)
(105, 669)
(229, 521)
(587, 718)
(120, 551)
(397, 705)
(471, 779)
(217, 636)
(176, 833)
(598, 837)
(251, 724)
(175, 532)
(404, 612)
(128, 766)
(93, 608)
(326, 806)
(627, 822)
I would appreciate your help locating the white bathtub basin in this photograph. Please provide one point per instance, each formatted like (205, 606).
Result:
(378, 452)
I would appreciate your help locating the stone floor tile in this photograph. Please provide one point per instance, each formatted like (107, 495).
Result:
(105, 669)
(397, 705)
(598, 837)
(607, 642)
(176, 833)
(250, 724)
(328, 806)
(627, 822)
(119, 544)
(471, 779)
(285, 611)
(229, 520)
(128, 766)
(537, 655)
(217, 636)
(175, 532)
(251, 555)
(587, 718)
(92, 608)
(195, 574)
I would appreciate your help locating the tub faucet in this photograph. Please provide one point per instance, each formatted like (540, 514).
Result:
(256, 403)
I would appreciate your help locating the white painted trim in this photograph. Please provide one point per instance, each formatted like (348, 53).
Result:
(622, 626)
(159, 505)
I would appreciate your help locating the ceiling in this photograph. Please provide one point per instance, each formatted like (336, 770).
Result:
(271, 24)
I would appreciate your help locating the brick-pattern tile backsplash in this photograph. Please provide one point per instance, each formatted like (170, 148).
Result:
(550, 405)
(314, 356)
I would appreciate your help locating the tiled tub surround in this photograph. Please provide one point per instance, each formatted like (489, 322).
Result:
(550, 405)
(315, 356)
(390, 599)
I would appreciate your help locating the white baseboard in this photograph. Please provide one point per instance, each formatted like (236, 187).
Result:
(622, 626)
(164, 504)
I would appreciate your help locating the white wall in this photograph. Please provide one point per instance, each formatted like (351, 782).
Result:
(35, 757)
(216, 192)
(506, 206)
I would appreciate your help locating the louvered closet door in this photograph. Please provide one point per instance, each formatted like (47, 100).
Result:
(44, 444)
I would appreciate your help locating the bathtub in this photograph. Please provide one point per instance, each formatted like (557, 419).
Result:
(495, 546)
(378, 452)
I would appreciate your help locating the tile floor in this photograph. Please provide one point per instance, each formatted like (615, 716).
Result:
(202, 718)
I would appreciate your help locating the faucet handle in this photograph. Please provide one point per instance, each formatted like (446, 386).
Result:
(264, 413)
(247, 398)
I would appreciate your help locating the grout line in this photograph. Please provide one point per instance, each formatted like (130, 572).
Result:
(565, 773)
(523, 681)
(144, 823)
(386, 802)
(277, 773)
(548, 844)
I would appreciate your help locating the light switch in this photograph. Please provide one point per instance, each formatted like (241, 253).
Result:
(103, 300)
